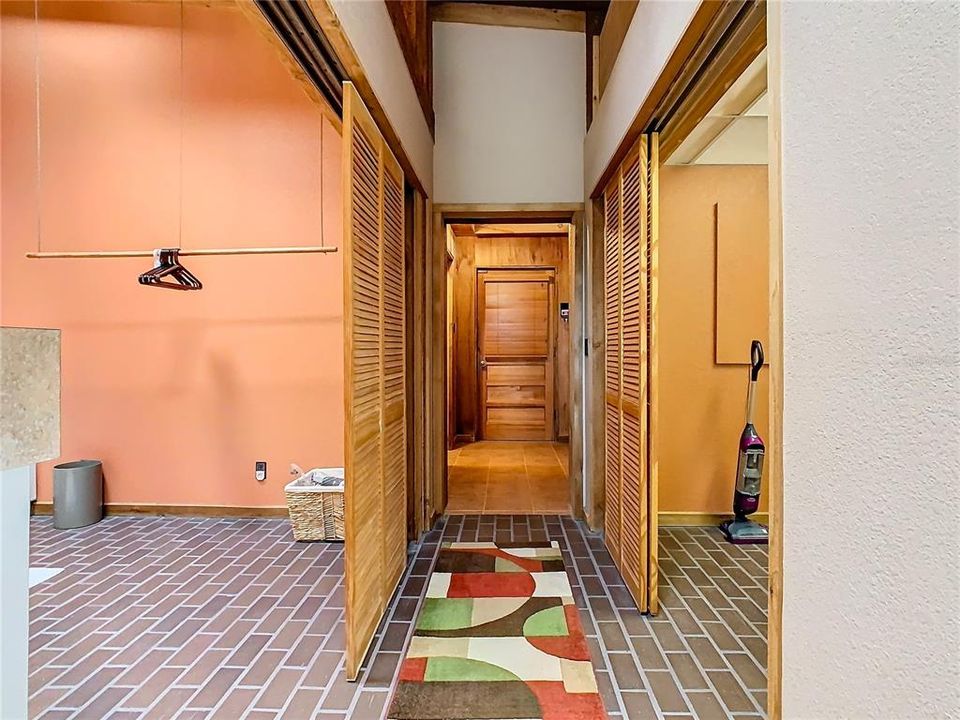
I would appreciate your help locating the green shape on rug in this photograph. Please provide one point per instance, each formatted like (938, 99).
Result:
(546, 623)
(506, 566)
(445, 614)
(455, 669)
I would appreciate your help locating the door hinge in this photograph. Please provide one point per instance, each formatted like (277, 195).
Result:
(586, 347)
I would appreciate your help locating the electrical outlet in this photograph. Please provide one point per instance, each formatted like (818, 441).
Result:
(260, 471)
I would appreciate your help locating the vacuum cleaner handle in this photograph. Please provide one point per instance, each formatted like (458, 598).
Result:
(756, 359)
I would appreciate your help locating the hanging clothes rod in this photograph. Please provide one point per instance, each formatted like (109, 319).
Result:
(300, 249)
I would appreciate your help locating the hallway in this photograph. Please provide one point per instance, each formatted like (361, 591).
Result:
(509, 478)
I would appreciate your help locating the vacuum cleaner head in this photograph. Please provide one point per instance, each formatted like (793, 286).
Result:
(744, 532)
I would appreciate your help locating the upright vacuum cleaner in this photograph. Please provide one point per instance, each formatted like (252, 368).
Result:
(746, 496)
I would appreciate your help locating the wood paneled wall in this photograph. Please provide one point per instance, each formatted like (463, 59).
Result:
(472, 252)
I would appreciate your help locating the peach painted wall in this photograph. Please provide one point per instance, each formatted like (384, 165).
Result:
(178, 393)
(702, 403)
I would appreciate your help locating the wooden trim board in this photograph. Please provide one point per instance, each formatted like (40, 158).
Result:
(509, 16)
(653, 368)
(774, 460)
(595, 362)
(529, 212)
(576, 277)
(671, 518)
(266, 511)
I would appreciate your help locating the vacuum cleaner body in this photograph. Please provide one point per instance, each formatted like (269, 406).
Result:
(746, 496)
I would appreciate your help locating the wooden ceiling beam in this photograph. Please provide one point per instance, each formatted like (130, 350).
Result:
(509, 16)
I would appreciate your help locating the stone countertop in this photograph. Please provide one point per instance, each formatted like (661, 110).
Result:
(29, 396)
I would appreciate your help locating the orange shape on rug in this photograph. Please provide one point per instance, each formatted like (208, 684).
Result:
(557, 704)
(484, 585)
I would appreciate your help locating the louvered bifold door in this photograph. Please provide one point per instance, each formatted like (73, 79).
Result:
(375, 432)
(626, 519)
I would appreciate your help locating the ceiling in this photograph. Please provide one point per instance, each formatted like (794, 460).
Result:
(734, 132)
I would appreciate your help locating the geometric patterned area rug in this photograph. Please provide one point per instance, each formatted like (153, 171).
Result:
(498, 637)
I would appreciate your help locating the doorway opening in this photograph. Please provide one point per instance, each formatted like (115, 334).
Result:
(509, 387)
(713, 304)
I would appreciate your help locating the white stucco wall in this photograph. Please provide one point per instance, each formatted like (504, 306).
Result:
(367, 24)
(871, 171)
(510, 114)
(14, 600)
(654, 32)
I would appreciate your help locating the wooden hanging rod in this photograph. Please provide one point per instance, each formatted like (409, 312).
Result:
(300, 249)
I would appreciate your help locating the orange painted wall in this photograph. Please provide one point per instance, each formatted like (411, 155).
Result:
(178, 393)
(702, 403)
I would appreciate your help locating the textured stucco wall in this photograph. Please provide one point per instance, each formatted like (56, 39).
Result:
(871, 396)
(29, 396)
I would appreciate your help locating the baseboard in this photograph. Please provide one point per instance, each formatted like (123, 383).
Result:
(701, 519)
(46, 508)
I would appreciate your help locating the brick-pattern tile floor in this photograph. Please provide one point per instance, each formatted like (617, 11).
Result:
(229, 618)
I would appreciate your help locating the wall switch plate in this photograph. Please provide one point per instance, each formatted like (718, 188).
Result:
(261, 470)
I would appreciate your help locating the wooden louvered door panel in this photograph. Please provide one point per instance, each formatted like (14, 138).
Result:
(374, 345)
(612, 310)
(626, 422)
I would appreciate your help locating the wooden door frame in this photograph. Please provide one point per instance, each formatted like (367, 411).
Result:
(690, 59)
(435, 404)
(451, 371)
(479, 319)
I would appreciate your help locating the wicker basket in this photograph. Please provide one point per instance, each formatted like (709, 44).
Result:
(315, 503)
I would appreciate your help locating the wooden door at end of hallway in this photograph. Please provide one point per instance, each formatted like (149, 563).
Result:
(516, 342)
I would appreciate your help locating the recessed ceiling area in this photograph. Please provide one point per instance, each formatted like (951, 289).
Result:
(507, 228)
(734, 132)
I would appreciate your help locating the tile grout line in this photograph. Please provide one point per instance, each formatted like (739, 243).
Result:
(600, 639)
(709, 637)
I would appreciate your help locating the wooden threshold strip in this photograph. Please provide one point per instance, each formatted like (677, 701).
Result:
(266, 511)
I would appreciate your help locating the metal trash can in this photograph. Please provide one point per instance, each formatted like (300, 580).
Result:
(77, 494)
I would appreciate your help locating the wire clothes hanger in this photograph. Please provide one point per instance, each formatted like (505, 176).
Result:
(167, 272)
